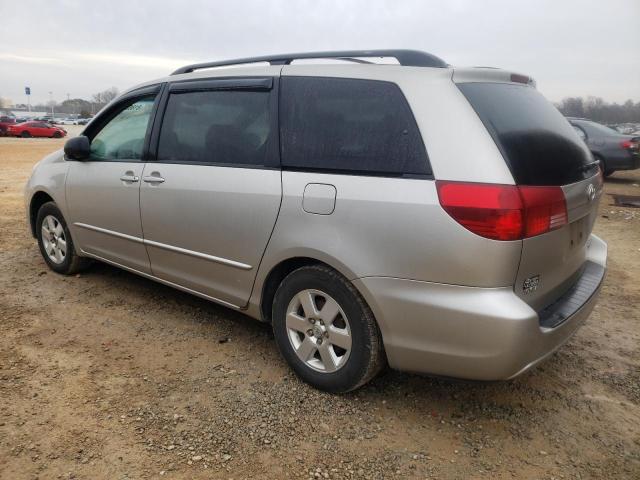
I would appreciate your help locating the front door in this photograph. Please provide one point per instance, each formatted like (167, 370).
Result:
(210, 201)
(103, 192)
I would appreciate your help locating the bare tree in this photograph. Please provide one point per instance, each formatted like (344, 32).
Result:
(595, 108)
(104, 97)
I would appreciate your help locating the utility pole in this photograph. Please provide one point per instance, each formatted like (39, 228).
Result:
(51, 101)
(27, 91)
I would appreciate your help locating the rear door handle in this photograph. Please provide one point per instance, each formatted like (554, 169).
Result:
(153, 179)
(130, 178)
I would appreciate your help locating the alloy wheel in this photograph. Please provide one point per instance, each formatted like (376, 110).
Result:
(318, 331)
(53, 239)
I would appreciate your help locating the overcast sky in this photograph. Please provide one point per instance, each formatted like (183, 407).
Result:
(587, 47)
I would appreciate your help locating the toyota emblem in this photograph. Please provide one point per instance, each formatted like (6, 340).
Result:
(591, 192)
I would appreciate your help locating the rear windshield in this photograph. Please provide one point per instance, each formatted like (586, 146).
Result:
(539, 145)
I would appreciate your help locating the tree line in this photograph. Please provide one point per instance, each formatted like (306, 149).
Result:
(595, 108)
(79, 106)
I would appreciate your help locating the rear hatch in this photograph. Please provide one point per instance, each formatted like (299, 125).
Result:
(542, 150)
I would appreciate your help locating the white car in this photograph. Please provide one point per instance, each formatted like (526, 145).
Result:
(68, 121)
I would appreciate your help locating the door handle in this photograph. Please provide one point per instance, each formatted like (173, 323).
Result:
(153, 179)
(130, 178)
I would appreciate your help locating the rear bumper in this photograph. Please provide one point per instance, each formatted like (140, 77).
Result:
(623, 160)
(467, 332)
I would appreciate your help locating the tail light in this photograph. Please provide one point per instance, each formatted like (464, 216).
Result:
(503, 212)
(630, 144)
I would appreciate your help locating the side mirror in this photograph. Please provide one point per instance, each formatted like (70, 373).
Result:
(77, 148)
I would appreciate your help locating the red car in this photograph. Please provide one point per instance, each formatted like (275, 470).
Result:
(35, 129)
(4, 124)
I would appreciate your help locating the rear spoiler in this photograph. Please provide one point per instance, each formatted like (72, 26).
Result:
(490, 74)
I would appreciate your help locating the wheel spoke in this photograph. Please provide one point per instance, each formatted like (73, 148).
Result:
(329, 311)
(327, 358)
(45, 230)
(51, 224)
(340, 337)
(308, 304)
(297, 323)
(58, 254)
(58, 230)
(306, 349)
(62, 245)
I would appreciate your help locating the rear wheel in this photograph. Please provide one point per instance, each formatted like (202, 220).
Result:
(54, 240)
(25, 134)
(326, 331)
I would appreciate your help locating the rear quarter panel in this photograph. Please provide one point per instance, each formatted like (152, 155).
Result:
(390, 227)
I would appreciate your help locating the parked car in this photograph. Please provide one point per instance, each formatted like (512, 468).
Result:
(83, 121)
(5, 122)
(339, 204)
(614, 150)
(35, 129)
(68, 121)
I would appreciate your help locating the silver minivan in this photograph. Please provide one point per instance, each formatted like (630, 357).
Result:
(431, 218)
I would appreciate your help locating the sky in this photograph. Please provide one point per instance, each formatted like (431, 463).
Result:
(572, 48)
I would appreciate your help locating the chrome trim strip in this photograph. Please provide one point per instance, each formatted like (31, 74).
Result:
(165, 282)
(109, 232)
(204, 256)
(171, 248)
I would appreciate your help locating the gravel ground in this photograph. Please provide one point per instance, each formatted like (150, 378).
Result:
(109, 375)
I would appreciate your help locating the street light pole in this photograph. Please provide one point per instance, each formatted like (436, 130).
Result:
(51, 101)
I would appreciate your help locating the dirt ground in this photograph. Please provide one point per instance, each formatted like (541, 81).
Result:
(109, 375)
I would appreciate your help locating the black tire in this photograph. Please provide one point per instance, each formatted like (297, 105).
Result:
(57, 135)
(366, 357)
(25, 134)
(72, 263)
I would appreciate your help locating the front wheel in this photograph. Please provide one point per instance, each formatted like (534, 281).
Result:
(54, 240)
(326, 331)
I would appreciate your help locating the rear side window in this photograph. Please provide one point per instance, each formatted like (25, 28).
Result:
(219, 126)
(537, 142)
(361, 126)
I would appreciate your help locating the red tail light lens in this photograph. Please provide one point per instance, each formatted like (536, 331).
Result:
(630, 144)
(503, 212)
(545, 209)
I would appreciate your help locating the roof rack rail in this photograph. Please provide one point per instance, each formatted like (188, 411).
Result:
(407, 58)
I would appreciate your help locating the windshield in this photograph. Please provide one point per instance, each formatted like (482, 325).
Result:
(537, 142)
